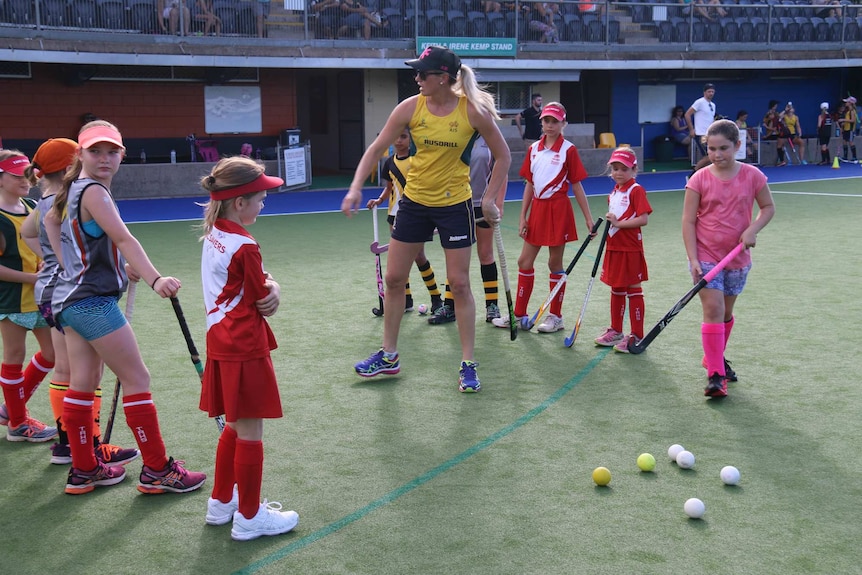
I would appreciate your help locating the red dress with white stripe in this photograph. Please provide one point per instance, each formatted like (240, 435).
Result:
(625, 264)
(551, 221)
(239, 380)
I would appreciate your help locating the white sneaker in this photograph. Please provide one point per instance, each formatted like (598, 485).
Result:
(270, 520)
(551, 323)
(503, 321)
(219, 513)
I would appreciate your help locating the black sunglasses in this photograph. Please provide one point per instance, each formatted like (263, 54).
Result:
(424, 75)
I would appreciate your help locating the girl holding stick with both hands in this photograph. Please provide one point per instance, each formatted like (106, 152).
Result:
(716, 216)
(444, 119)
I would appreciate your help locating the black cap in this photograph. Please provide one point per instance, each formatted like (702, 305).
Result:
(708, 86)
(435, 58)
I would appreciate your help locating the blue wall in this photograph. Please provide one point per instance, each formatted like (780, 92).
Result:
(750, 90)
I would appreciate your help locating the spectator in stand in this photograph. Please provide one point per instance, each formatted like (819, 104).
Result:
(173, 11)
(328, 13)
(542, 20)
(357, 16)
(711, 10)
(205, 14)
(678, 127)
(830, 8)
(594, 7)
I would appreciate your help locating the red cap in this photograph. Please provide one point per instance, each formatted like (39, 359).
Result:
(625, 156)
(554, 110)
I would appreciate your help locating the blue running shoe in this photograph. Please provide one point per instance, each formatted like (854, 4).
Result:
(377, 364)
(468, 381)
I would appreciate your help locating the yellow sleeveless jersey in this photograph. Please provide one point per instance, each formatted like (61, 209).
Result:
(441, 146)
(16, 297)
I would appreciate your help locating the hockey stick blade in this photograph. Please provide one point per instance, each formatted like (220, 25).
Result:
(640, 346)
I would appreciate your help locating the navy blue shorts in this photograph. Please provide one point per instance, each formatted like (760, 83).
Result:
(477, 214)
(415, 223)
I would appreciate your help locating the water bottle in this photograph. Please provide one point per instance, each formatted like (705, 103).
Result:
(143, 157)
(173, 156)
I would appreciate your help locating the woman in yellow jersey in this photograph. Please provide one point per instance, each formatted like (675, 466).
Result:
(444, 120)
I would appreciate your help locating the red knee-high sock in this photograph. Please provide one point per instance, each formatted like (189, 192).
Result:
(636, 311)
(557, 302)
(712, 335)
(12, 381)
(78, 418)
(728, 327)
(35, 372)
(526, 278)
(225, 472)
(618, 308)
(248, 463)
(57, 393)
(143, 420)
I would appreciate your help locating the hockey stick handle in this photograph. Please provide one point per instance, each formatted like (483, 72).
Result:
(569, 341)
(640, 346)
(374, 222)
(601, 247)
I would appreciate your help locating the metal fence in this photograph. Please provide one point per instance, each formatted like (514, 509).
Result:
(675, 23)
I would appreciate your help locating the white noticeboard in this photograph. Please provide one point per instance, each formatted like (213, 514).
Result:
(294, 166)
(233, 109)
(655, 103)
(740, 153)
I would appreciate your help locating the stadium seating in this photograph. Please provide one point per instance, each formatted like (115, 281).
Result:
(226, 10)
(83, 14)
(142, 16)
(112, 14)
(54, 12)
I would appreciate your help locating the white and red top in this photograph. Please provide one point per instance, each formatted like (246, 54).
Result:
(233, 280)
(626, 202)
(551, 169)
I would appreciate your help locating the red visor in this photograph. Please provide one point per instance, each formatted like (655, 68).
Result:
(260, 184)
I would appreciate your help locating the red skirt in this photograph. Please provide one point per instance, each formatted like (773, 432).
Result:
(240, 389)
(621, 269)
(551, 222)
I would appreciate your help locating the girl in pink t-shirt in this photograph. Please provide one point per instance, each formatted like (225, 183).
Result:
(716, 216)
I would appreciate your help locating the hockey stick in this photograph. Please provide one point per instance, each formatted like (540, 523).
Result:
(130, 310)
(571, 339)
(504, 270)
(541, 311)
(640, 346)
(193, 351)
(378, 311)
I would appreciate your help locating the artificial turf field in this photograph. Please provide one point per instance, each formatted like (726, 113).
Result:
(403, 474)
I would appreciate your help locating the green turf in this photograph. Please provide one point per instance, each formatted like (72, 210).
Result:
(405, 475)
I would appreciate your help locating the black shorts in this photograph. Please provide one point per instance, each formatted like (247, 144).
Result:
(415, 223)
(477, 215)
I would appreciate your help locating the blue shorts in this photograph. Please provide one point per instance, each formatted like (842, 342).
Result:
(729, 282)
(93, 317)
(477, 213)
(415, 223)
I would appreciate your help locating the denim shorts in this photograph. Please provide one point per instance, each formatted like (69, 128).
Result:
(729, 282)
(93, 317)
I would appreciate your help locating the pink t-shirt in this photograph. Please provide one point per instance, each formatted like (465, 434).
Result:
(725, 211)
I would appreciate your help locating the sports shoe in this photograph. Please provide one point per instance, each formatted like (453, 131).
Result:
(443, 314)
(61, 454)
(4, 415)
(503, 321)
(377, 364)
(551, 324)
(780, 164)
(468, 381)
(31, 430)
(717, 386)
(436, 302)
(729, 374)
(270, 520)
(408, 303)
(610, 338)
(219, 513)
(623, 345)
(174, 478)
(114, 454)
(492, 312)
(80, 482)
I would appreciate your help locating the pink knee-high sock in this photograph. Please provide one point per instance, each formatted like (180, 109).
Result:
(712, 335)
(526, 279)
(225, 471)
(728, 327)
